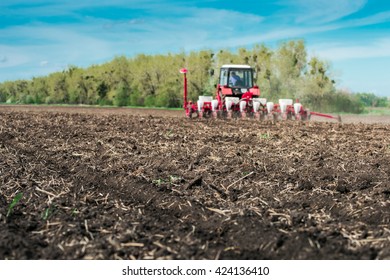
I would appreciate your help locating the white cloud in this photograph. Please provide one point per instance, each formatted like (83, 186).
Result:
(369, 20)
(321, 11)
(11, 57)
(338, 51)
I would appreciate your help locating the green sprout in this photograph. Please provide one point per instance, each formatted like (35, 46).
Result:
(74, 212)
(264, 136)
(173, 178)
(48, 212)
(15, 201)
(169, 133)
(158, 182)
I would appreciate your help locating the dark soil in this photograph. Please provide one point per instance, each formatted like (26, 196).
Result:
(114, 185)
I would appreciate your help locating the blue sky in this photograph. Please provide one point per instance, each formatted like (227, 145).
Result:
(42, 36)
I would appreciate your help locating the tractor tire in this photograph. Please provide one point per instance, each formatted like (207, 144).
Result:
(193, 114)
(207, 114)
(262, 116)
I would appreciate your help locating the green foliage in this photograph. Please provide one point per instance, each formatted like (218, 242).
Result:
(136, 99)
(289, 63)
(264, 136)
(371, 100)
(344, 102)
(154, 80)
(122, 94)
(150, 100)
(14, 201)
(379, 111)
(74, 212)
(28, 99)
(48, 212)
(347, 103)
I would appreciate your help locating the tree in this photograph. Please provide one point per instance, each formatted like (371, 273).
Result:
(6, 92)
(317, 88)
(200, 68)
(371, 100)
(261, 59)
(289, 64)
(58, 88)
(39, 90)
(122, 94)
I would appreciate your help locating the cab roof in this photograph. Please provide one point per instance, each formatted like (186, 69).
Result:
(243, 66)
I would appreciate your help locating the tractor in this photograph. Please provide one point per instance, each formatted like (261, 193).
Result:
(237, 96)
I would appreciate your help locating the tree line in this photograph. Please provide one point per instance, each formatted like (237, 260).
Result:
(155, 81)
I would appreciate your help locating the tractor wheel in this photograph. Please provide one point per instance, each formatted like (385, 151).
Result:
(222, 114)
(193, 114)
(207, 114)
(262, 116)
(236, 114)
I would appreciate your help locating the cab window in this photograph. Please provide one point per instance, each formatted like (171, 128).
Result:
(223, 79)
(241, 78)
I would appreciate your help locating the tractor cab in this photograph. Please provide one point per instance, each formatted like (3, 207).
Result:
(235, 79)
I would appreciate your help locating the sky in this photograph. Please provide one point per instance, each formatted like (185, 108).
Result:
(38, 37)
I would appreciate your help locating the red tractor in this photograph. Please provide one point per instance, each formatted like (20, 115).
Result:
(237, 96)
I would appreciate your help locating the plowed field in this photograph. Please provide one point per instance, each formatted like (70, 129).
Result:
(133, 184)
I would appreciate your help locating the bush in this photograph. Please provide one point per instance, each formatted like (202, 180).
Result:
(29, 99)
(334, 102)
(49, 100)
(150, 101)
(371, 100)
(10, 100)
(168, 99)
(345, 103)
(136, 99)
(121, 95)
(105, 102)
